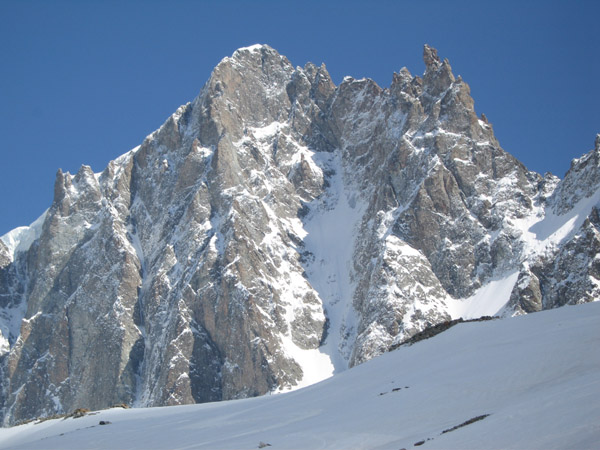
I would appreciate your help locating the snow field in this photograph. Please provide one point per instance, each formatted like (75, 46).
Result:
(536, 376)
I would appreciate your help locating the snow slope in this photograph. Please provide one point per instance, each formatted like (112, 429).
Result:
(489, 300)
(331, 237)
(21, 238)
(532, 381)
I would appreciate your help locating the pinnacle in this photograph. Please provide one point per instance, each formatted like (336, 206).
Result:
(430, 57)
(438, 74)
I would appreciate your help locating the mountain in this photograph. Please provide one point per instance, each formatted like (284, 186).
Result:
(279, 229)
(513, 383)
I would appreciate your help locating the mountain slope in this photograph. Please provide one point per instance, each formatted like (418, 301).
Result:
(279, 229)
(531, 381)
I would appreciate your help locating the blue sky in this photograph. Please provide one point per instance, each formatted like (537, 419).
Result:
(82, 82)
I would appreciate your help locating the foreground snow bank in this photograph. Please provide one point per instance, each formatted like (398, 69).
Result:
(529, 382)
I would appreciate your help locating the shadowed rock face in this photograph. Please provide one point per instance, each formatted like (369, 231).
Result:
(189, 270)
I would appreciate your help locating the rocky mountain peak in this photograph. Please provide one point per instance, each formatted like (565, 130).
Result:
(431, 58)
(60, 185)
(580, 182)
(251, 52)
(247, 88)
(438, 75)
(278, 229)
(256, 59)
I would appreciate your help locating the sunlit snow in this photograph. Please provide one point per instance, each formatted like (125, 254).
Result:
(487, 301)
(331, 238)
(553, 229)
(532, 381)
(21, 238)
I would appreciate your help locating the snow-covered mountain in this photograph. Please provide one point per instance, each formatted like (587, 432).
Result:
(527, 382)
(279, 229)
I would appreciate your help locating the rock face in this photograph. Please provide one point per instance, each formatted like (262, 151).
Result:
(277, 229)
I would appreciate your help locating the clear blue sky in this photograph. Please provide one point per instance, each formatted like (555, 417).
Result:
(82, 82)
